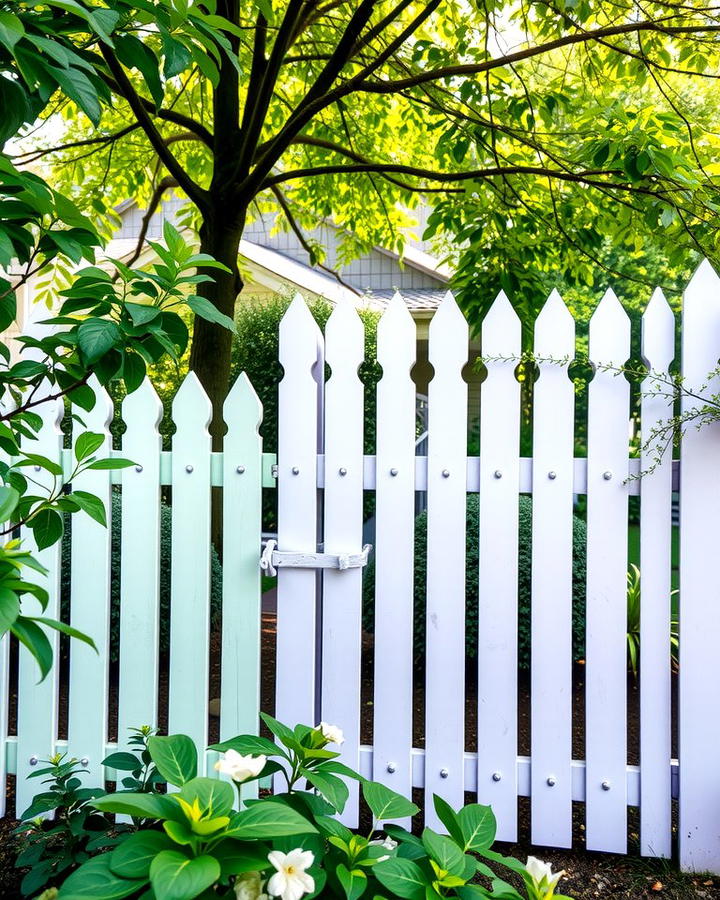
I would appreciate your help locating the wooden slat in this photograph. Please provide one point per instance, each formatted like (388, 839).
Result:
(242, 516)
(658, 347)
(552, 572)
(699, 587)
(300, 340)
(140, 563)
(343, 511)
(190, 564)
(498, 562)
(37, 714)
(394, 551)
(90, 606)
(606, 618)
(445, 611)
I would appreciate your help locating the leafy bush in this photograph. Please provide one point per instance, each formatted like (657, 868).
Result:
(165, 568)
(471, 582)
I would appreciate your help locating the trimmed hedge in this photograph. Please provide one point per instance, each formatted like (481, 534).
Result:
(471, 582)
(165, 563)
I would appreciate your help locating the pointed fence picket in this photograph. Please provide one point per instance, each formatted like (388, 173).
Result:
(190, 565)
(498, 560)
(140, 573)
(37, 704)
(445, 588)
(90, 605)
(606, 615)
(552, 570)
(343, 512)
(394, 550)
(658, 347)
(699, 726)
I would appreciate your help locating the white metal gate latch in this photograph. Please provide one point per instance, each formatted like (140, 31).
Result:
(272, 559)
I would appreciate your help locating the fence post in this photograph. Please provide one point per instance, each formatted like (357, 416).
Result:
(699, 584)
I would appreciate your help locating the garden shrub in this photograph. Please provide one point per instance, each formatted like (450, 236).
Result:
(471, 582)
(165, 563)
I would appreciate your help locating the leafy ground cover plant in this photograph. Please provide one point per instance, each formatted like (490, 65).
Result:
(196, 844)
(633, 623)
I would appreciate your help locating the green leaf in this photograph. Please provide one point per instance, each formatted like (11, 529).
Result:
(111, 463)
(386, 804)
(176, 877)
(143, 806)
(95, 880)
(11, 29)
(236, 857)
(133, 857)
(215, 797)
(134, 53)
(175, 757)
(142, 313)
(47, 528)
(9, 498)
(90, 504)
(79, 88)
(205, 309)
(87, 443)
(249, 744)
(96, 337)
(444, 851)
(352, 882)
(133, 371)
(478, 826)
(64, 629)
(268, 820)
(449, 818)
(9, 608)
(333, 789)
(402, 877)
(122, 762)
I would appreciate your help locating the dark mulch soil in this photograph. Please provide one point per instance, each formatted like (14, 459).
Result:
(588, 875)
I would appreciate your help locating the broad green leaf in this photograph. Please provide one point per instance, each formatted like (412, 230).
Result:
(143, 806)
(444, 851)
(132, 858)
(205, 309)
(11, 29)
(175, 876)
(402, 877)
(265, 821)
(122, 762)
(333, 789)
(34, 638)
(249, 744)
(175, 757)
(95, 880)
(96, 337)
(9, 608)
(63, 628)
(9, 498)
(142, 313)
(478, 826)
(90, 504)
(236, 857)
(216, 798)
(354, 882)
(111, 463)
(449, 818)
(386, 804)
(87, 443)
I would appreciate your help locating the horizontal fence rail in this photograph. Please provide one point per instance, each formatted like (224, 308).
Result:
(320, 474)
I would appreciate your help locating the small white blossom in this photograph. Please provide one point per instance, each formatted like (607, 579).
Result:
(290, 880)
(543, 877)
(240, 767)
(388, 843)
(331, 733)
(248, 886)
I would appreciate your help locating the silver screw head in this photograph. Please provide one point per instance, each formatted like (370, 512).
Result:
(84, 761)
(497, 473)
(189, 469)
(296, 470)
(240, 470)
(444, 773)
(552, 476)
(33, 760)
(138, 468)
(607, 476)
(274, 470)
(497, 776)
(343, 471)
(551, 782)
(37, 468)
(606, 785)
(446, 473)
(393, 472)
(391, 767)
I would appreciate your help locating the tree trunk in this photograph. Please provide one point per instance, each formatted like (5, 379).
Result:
(212, 344)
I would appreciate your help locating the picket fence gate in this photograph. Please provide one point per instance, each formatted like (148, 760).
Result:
(320, 473)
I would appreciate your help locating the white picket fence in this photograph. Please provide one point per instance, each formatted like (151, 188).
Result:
(321, 473)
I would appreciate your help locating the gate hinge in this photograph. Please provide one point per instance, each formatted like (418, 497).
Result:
(272, 559)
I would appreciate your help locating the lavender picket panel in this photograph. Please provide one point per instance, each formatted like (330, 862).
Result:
(300, 340)
(242, 518)
(658, 347)
(699, 588)
(445, 611)
(140, 563)
(190, 564)
(37, 701)
(394, 550)
(606, 617)
(498, 560)
(552, 588)
(90, 605)
(343, 512)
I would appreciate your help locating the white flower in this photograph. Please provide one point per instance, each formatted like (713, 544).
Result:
(248, 886)
(543, 877)
(290, 880)
(388, 843)
(331, 733)
(240, 767)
